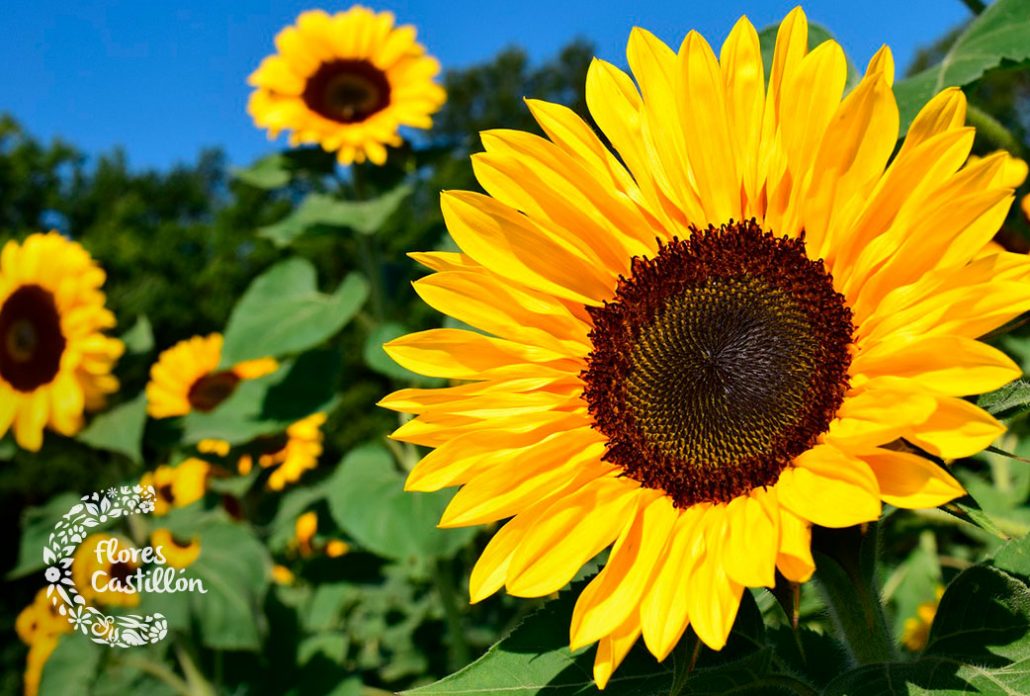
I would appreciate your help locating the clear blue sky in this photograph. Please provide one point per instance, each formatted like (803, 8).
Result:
(164, 79)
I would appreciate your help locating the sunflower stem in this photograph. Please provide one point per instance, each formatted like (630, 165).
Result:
(368, 253)
(846, 573)
(443, 579)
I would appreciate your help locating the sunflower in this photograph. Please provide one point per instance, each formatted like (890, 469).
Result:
(177, 486)
(39, 626)
(916, 630)
(177, 553)
(746, 320)
(55, 361)
(347, 82)
(186, 377)
(97, 568)
(291, 455)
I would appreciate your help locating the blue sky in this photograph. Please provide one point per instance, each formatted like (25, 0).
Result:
(165, 79)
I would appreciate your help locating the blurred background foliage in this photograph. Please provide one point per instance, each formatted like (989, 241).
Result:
(389, 611)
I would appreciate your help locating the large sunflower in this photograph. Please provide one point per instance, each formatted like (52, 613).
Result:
(702, 345)
(186, 377)
(347, 82)
(55, 361)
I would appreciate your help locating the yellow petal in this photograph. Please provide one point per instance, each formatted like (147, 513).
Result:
(910, 481)
(613, 648)
(829, 488)
(795, 558)
(750, 542)
(952, 365)
(956, 429)
(615, 593)
(571, 532)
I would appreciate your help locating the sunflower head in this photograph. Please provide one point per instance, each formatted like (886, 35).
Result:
(347, 82)
(101, 565)
(40, 620)
(755, 315)
(55, 361)
(289, 455)
(186, 377)
(178, 553)
(177, 486)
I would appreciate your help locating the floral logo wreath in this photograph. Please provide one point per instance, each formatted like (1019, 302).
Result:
(125, 631)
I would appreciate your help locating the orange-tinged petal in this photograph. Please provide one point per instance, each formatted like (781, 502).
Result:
(956, 429)
(615, 593)
(571, 532)
(910, 481)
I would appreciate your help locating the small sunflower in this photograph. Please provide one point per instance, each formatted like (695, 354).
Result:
(307, 544)
(291, 455)
(176, 552)
(103, 567)
(916, 631)
(177, 486)
(40, 619)
(750, 318)
(186, 377)
(347, 82)
(55, 361)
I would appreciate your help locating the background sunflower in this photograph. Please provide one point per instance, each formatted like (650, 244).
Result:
(347, 82)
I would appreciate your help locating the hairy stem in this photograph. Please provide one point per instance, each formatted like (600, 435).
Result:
(846, 573)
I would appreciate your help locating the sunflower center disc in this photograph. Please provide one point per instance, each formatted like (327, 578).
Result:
(718, 361)
(31, 342)
(347, 91)
(210, 390)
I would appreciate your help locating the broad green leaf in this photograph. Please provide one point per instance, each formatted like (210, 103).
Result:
(72, 667)
(999, 35)
(267, 405)
(978, 644)
(1007, 402)
(36, 525)
(235, 568)
(282, 312)
(1014, 558)
(120, 429)
(535, 659)
(267, 173)
(817, 34)
(320, 213)
(140, 337)
(367, 499)
(276, 171)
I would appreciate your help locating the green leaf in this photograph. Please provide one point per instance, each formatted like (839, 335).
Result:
(72, 667)
(1014, 558)
(140, 338)
(817, 34)
(968, 509)
(235, 568)
(120, 429)
(978, 643)
(267, 173)
(367, 499)
(36, 525)
(276, 171)
(267, 405)
(320, 213)
(1011, 400)
(282, 312)
(1000, 34)
(535, 659)
(7, 448)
